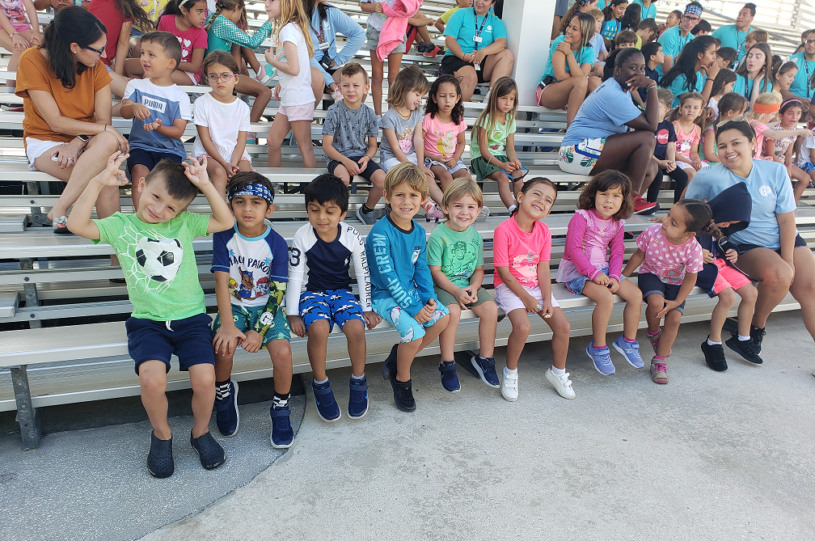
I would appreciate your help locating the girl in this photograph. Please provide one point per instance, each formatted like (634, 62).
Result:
(401, 126)
(456, 261)
(698, 57)
(754, 75)
(580, 6)
(18, 34)
(765, 111)
(442, 139)
(290, 58)
(784, 77)
(613, 12)
(631, 17)
(671, 258)
(564, 82)
(722, 84)
(222, 121)
(687, 120)
(673, 19)
(222, 33)
(782, 149)
(376, 20)
(522, 246)
(594, 230)
(731, 106)
(492, 145)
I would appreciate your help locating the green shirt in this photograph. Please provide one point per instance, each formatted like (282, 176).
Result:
(159, 265)
(496, 139)
(458, 254)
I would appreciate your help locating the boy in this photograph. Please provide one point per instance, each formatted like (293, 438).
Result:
(249, 263)
(401, 284)
(155, 249)
(321, 254)
(625, 39)
(598, 42)
(665, 151)
(654, 58)
(646, 32)
(159, 109)
(726, 56)
(349, 138)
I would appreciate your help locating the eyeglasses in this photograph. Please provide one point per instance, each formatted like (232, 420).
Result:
(810, 41)
(214, 77)
(100, 52)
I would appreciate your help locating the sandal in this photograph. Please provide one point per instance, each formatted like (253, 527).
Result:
(63, 222)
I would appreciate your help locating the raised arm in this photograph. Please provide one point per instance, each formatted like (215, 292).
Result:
(79, 222)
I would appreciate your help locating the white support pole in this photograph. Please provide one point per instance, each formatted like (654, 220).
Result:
(529, 27)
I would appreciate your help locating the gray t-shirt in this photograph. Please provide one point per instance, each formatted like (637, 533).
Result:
(350, 128)
(404, 129)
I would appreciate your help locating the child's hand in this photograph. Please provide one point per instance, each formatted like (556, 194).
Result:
(197, 172)
(112, 175)
(707, 257)
(473, 293)
(153, 126)
(428, 173)
(140, 111)
(531, 304)
(698, 164)
(378, 7)
(731, 255)
(613, 285)
(372, 319)
(297, 326)
(509, 168)
(548, 309)
(670, 165)
(227, 339)
(231, 169)
(363, 163)
(669, 305)
(351, 166)
(426, 312)
(601, 280)
(253, 342)
(451, 162)
(463, 298)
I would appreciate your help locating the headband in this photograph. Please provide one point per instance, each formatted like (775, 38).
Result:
(793, 100)
(766, 107)
(693, 10)
(255, 189)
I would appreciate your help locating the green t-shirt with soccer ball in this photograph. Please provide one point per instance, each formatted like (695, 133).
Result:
(158, 261)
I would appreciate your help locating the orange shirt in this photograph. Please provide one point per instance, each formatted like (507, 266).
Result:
(78, 103)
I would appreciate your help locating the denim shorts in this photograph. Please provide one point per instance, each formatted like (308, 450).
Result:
(335, 306)
(189, 339)
(246, 317)
(576, 286)
(650, 284)
(409, 329)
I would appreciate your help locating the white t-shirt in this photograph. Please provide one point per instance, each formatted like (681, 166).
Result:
(224, 121)
(295, 90)
(804, 153)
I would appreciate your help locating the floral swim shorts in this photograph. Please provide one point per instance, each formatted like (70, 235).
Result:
(581, 158)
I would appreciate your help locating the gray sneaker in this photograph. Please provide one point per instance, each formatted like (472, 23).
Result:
(483, 214)
(366, 218)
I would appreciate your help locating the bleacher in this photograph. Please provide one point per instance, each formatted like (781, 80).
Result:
(62, 339)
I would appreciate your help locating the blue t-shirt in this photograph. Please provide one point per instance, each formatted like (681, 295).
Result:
(672, 41)
(465, 24)
(731, 37)
(166, 103)
(806, 69)
(771, 192)
(649, 12)
(584, 56)
(598, 44)
(665, 134)
(611, 29)
(604, 113)
(744, 86)
(652, 74)
(680, 85)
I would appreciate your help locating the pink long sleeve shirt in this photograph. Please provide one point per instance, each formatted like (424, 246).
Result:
(588, 240)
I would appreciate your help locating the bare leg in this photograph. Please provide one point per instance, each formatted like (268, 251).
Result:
(280, 352)
(317, 347)
(487, 327)
(202, 379)
(632, 296)
(377, 76)
(569, 93)
(749, 295)
(627, 152)
(468, 78)
(394, 65)
(727, 298)
(261, 92)
(302, 133)
(279, 130)
(498, 65)
(377, 189)
(153, 382)
(442, 175)
(560, 337)
(407, 352)
(317, 83)
(355, 335)
(223, 367)
(447, 339)
(803, 286)
(517, 338)
(655, 304)
(774, 276)
(669, 332)
(604, 304)
(217, 174)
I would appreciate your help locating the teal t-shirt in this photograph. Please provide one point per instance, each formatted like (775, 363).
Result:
(584, 56)
(496, 139)
(680, 84)
(672, 41)
(465, 24)
(744, 86)
(806, 69)
(457, 253)
(158, 262)
(649, 12)
(731, 37)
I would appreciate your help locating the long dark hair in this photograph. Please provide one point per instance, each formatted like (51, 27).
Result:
(528, 186)
(724, 77)
(686, 63)
(631, 18)
(322, 9)
(131, 10)
(607, 10)
(700, 217)
(71, 24)
(432, 107)
(174, 6)
(768, 65)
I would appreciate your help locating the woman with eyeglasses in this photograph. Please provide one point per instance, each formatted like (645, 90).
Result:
(770, 249)
(67, 103)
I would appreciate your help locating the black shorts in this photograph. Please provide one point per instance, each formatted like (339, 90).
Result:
(149, 159)
(450, 64)
(372, 167)
(744, 248)
(650, 284)
(189, 339)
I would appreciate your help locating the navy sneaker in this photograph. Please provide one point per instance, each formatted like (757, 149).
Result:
(227, 416)
(282, 433)
(389, 366)
(327, 407)
(358, 398)
(210, 452)
(485, 366)
(160, 462)
(449, 378)
(403, 394)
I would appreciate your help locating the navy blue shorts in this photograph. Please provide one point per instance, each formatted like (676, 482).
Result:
(189, 339)
(372, 167)
(149, 159)
(744, 248)
(650, 284)
(335, 306)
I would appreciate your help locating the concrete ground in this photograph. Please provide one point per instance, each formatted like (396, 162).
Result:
(709, 456)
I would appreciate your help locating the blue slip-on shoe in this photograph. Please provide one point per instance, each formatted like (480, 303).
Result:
(160, 462)
(282, 433)
(227, 416)
(630, 351)
(327, 407)
(210, 452)
(449, 378)
(485, 366)
(358, 398)
(601, 359)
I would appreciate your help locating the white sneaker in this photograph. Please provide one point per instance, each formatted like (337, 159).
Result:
(509, 387)
(562, 384)
(483, 214)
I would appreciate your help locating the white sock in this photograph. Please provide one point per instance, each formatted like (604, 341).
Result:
(743, 338)
(558, 371)
(509, 372)
(358, 377)
(321, 382)
(712, 343)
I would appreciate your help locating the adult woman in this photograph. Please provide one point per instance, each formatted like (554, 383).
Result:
(67, 104)
(598, 137)
(754, 75)
(694, 70)
(325, 22)
(770, 249)
(566, 80)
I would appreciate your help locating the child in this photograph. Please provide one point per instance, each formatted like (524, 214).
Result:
(782, 149)
(349, 139)
(806, 156)
(754, 75)
(222, 121)
(647, 32)
(598, 43)
(764, 111)
(169, 314)
(783, 78)
(321, 254)
(671, 258)
(492, 147)
(18, 33)
(721, 278)
(665, 152)
(523, 285)
(249, 263)
(722, 84)
(730, 106)
(118, 17)
(624, 39)
(726, 57)
(654, 57)
(673, 19)
(401, 126)
(612, 14)
(687, 120)
(595, 230)
(631, 19)
(375, 23)
(456, 260)
(290, 58)
(442, 139)
(159, 109)
(401, 284)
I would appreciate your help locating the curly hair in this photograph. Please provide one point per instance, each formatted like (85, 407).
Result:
(603, 182)
(432, 108)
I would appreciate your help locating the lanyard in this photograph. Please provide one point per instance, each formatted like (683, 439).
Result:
(808, 81)
(684, 41)
(747, 88)
(478, 31)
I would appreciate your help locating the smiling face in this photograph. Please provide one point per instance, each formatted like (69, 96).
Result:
(537, 201)
(413, 100)
(88, 57)
(464, 3)
(735, 150)
(249, 212)
(446, 98)
(222, 80)
(572, 33)
(324, 218)
(404, 202)
(618, 10)
(481, 7)
(156, 205)
(755, 60)
(196, 13)
(608, 203)
(154, 60)
(462, 213)
(673, 225)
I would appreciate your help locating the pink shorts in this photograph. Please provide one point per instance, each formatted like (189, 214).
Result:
(296, 113)
(728, 277)
(538, 94)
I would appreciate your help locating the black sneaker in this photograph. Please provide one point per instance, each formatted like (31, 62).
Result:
(747, 348)
(160, 462)
(209, 451)
(389, 366)
(757, 336)
(403, 394)
(714, 356)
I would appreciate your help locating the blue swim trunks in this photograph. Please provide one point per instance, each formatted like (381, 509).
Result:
(247, 316)
(409, 329)
(335, 305)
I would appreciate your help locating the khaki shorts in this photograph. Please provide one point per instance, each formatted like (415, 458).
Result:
(446, 299)
(373, 41)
